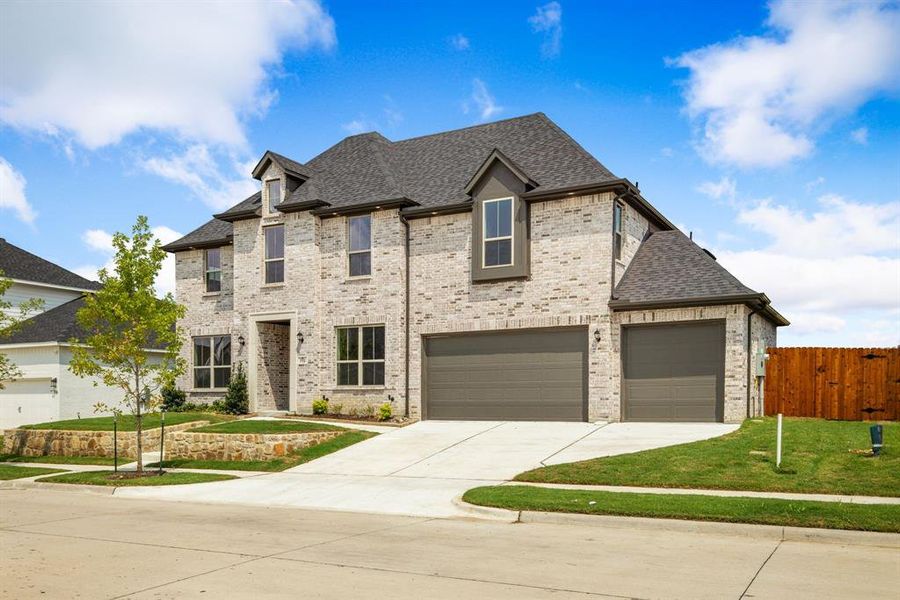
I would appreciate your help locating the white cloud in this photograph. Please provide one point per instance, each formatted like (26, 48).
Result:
(814, 183)
(198, 170)
(12, 192)
(459, 42)
(761, 98)
(548, 20)
(825, 269)
(667, 152)
(724, 189)
(192, 69)
(357, 126)
(100, 241)
(484, 102)
(860, 136)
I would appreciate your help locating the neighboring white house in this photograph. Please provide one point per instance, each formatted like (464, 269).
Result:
(47, 390)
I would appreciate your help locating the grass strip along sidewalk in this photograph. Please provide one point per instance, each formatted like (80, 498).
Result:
(761, 511)
(819, 457)
(277, 464)
(8, 472)
(110, 478)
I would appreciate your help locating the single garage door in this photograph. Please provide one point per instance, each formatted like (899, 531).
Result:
(674, 372)
(532, 375)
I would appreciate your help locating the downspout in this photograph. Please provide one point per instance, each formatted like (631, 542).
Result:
(406, 322)
(749, 355)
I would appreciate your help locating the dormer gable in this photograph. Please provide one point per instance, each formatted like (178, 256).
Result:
(497, 156)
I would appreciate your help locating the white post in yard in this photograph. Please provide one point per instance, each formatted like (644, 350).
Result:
(778, 444)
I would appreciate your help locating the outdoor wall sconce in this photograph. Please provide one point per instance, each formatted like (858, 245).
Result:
(241, 340)
(300, 337)
(597, 335)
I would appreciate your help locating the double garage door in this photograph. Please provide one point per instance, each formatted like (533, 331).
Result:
(669, 373)
(530, 375)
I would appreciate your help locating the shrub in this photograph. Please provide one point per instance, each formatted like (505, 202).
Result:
(353, 411)
(236, 400)
(367, 410)
(337, 409)
(173, 399)
(385, 411)
(320, 406)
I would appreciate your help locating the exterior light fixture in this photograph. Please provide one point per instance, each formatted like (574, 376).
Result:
(597, 335)
(300, 337)
(241, 340)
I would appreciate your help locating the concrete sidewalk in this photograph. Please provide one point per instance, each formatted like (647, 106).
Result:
(57, 545)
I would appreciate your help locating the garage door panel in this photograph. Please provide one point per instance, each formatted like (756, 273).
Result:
(512, 375)
(673, 372)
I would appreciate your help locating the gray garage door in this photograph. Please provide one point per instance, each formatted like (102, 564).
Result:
(537, 375)
(674, 372)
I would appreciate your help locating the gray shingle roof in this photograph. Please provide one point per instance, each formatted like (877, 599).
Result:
(670, 267)
(211, 233)
(17, 263)
(55, 325)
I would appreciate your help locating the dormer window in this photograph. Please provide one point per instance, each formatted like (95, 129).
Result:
(498, 233)
(273, 190)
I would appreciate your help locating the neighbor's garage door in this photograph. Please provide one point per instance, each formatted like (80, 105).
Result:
(27, 401)
(674, 372)
(536, 375)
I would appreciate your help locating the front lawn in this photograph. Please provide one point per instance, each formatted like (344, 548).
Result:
(264, 426)
(831, 515)
(65, 460)
(127, 422)
(817, 458)
(13, 472)
(110, 478)
(278, 464)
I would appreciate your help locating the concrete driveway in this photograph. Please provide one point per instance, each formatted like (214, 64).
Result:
(418, 470)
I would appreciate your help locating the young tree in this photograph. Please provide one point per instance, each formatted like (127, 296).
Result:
(124, 318)
(11, 320)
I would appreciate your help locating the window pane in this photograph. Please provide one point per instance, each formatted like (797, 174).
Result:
(360, 264)
(222, 350)
(504, 218)
(201, 378)
(222, 377)
(213, 259)
(490, 220)
(202, 351)
(214, 281)
(498, 253)
(373, 343)
(275, 242)
(348, 346)
(348, 374)
(274, 194)
(373, 373)
(275, 271)
(360, 233)
(617, 217)
(618, 237)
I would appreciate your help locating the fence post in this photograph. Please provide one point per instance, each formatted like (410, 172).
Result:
(115, 442)
(162, 439)
(778, 444)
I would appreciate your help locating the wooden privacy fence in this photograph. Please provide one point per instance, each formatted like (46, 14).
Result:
(852, 384)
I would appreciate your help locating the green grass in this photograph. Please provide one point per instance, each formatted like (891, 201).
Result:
(64, 460)
(246, 426)
(278, 464)
(104, 478)
(127, 422)
(830, 515)
(13, 472)
(816, 459)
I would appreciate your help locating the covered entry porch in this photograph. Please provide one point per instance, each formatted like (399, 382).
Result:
(272, 362)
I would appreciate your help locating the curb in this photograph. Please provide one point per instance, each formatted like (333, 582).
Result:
(486, 512)
(94, 490)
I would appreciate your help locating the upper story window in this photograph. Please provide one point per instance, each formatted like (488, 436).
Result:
(274, 259)
(360, 355)
(618, 211)
(273, 191)
(360, 246)
(212, 361)
(213, 269)
(498, 233)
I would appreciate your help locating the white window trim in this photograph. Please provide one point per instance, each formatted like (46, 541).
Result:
(360, 361)
(369, 251)
(269, 209)
(267, 260)
(511, 237)
(619, 243)
(207, 271)
(212, 363)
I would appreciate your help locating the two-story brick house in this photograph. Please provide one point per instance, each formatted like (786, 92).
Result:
(492, 272)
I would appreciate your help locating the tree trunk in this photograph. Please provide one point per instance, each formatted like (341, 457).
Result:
(138, 422)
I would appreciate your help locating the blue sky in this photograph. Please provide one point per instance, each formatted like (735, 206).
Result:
(771, 131)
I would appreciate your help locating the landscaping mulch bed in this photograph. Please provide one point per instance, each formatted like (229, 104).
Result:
(394, 422)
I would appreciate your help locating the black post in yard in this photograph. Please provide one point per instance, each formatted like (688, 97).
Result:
(162, 438)
(115, 442)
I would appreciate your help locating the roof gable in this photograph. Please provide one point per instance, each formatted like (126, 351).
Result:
(291, 167)
(497, 156)
(16, 263)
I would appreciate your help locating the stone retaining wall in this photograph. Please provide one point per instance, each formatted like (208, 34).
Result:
(57, 442)
(241, 446)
